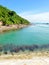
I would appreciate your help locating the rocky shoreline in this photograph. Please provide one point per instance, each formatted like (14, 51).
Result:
(11, 27)
(25, 55)
(38, 57)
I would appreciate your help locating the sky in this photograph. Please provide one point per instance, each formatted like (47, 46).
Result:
(32, 10)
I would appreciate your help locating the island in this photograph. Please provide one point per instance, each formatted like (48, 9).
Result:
(10, 20)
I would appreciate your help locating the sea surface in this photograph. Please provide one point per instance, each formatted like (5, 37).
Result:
(34, 34)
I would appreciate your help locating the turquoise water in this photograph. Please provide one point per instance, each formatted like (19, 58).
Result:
(34, 34)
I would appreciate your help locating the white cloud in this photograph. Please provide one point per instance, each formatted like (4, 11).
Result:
(41, 17)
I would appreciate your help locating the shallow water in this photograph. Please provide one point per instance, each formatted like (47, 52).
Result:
(34, 34)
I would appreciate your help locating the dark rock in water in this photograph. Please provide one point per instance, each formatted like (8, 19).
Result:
(5, 52)
(9, 47)
(1, 48)
(44, 46)
(23, 48)
(16, 49)
(27, 47)
(33, 47)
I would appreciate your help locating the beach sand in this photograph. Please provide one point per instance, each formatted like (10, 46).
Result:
(31, 58)
(33, 61)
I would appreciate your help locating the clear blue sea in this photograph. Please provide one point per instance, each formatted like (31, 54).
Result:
(34, 34)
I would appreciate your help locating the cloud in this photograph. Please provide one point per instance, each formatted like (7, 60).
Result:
(40, 17)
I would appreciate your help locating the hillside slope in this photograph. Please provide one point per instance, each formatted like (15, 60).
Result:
(9, 17)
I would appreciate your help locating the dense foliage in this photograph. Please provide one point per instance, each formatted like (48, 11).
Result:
(9, 17)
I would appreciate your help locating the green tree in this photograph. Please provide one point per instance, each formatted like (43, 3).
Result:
(9, 17)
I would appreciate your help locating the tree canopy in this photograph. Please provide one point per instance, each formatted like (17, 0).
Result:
(9, 17)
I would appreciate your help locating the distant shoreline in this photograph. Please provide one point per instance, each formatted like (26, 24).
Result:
(12, 27)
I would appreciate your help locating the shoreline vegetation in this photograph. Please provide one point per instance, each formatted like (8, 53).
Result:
(10, 20)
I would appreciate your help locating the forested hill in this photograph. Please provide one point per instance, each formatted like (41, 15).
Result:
(9, 17)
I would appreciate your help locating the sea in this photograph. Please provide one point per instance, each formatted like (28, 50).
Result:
(35, 34)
